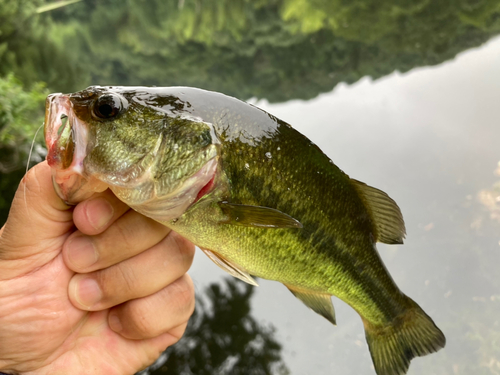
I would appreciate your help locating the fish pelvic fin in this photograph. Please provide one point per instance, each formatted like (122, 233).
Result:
(392, 347)
(230, 267)
(319, 302)
(386, 215)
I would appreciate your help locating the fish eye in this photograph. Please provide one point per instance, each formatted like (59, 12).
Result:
(108, 106)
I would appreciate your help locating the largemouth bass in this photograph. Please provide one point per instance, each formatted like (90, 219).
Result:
(258, 197)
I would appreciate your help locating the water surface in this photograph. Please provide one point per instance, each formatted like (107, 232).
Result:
(431, 139)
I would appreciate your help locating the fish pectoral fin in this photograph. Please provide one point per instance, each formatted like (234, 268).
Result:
(389, 223)
(230, 267)
(321, 303)
(256, 216)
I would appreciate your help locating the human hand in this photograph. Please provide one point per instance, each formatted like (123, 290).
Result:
(53, 320)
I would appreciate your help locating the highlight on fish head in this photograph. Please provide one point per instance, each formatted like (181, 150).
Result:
(144, 146)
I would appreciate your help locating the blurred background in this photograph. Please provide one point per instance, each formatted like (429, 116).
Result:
(400, 94)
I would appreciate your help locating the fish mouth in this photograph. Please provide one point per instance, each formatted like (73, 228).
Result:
(66, 140)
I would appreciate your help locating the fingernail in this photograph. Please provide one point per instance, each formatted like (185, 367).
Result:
(114, 323)
(87, 292)
(81, 252)
(99, 212)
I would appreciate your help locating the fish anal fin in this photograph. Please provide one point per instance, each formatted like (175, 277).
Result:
(321, 303)
(393, 346)
(387, 217)
(256, 216)
(229, 267)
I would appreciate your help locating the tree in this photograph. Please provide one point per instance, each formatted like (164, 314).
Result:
(28, 51)
(21, 113)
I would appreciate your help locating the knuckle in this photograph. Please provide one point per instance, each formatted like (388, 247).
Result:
(183, 294)
(117, 284)
(140, 321)
(123, 235)
(184, 250)
(125, 276)
(177, 299)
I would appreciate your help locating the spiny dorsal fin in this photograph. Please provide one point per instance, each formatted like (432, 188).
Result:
(385, 214)
(230, 267)
(319, 302)
(256, 216)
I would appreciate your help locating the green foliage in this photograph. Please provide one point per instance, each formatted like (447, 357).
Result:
(369, 20)
(21, 112)
(17, 26)
(276, 49)
(28, 51)
(15, 16)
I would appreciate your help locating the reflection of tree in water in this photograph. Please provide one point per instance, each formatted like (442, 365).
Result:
(274, 49)
(223, 338)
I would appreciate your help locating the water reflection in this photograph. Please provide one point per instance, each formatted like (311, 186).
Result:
(490, 198)
(223, 338)
(274, 49)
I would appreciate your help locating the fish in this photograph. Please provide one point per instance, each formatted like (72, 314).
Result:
(255, 195)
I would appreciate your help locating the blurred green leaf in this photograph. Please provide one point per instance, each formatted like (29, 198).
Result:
(21, 111)
(21, 114)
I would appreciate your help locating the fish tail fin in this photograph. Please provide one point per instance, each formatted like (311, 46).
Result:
(393, 346)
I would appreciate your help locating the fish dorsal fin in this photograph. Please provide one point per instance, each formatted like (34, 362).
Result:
(256, 216)
(385, 213)
(319, 302)
(230, 267)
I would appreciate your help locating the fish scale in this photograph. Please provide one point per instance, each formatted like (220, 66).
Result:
(321, 245)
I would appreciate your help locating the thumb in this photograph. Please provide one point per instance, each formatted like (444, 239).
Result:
(37, 225)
